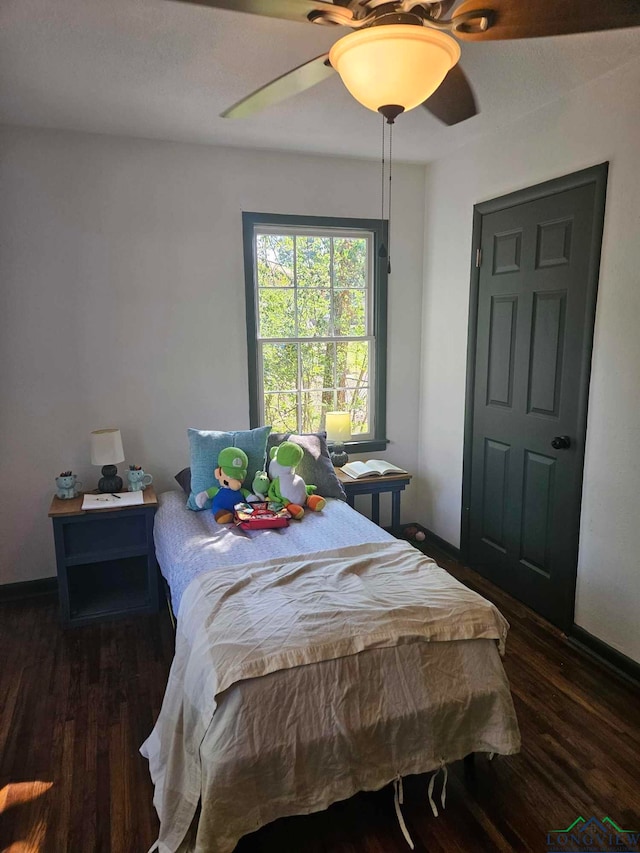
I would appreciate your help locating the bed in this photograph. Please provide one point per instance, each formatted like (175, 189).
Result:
(312, 663)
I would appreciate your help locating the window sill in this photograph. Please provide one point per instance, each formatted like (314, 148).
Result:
(367, 445)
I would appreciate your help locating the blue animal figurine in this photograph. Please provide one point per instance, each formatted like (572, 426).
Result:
(138, 480)
(68, 486)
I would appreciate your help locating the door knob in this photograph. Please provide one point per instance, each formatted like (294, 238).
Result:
(561, 442)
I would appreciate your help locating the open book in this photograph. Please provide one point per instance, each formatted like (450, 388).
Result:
(371, 468)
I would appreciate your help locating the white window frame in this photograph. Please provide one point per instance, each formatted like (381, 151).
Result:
(369, 337)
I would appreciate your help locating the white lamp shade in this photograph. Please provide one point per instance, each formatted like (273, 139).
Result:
(106, 447)
(399, 64)
(338, 426)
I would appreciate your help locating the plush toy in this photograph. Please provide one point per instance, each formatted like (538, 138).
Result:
(287, 487)
(260, 487)
(231, 471)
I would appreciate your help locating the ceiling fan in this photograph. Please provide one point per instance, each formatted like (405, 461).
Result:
(403, 53)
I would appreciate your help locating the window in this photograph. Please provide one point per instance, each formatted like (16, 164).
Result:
(316, 323)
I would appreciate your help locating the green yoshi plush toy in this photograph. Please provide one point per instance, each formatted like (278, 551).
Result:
(287, 487)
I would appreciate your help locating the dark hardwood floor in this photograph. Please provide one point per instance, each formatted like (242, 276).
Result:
(76, 705)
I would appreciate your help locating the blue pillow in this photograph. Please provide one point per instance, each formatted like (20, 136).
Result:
(205, 446)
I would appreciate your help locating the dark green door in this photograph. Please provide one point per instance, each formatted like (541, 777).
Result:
(535, 311)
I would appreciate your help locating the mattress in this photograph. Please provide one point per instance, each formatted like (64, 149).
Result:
(189, 543)
(295, 740)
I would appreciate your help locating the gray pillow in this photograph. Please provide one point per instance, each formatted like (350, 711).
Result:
(184, 480)
(315, 468)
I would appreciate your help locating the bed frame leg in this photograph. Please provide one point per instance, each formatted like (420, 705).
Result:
(470, 770)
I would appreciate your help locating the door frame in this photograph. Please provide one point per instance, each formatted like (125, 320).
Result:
(596, 175)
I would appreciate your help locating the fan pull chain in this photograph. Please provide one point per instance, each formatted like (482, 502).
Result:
(389, 216)
(382, 251)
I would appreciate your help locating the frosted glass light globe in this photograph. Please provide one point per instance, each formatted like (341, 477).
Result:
(398, 64)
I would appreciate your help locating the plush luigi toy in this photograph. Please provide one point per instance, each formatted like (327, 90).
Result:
(287, 487)
(231, 471)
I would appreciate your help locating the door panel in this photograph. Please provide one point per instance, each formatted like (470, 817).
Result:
(502, 339)
(506, 252)
(535, 312)
(495, 493)
(547, 349)
(538, 507)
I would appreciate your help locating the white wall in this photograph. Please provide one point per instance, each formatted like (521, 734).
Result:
(596, 123)
(122, 304)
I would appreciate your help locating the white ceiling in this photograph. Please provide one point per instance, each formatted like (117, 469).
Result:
(165, 70)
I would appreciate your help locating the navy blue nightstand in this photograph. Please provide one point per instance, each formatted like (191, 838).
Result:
(105, 560)
(375, 486)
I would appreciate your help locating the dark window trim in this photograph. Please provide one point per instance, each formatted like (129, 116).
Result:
(379, 229)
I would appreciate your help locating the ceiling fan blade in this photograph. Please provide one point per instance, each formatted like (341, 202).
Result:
(292, 83)
(290, 10)
(453, 101)
(514, 19)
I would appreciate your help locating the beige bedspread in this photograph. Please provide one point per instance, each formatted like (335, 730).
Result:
(256, 630)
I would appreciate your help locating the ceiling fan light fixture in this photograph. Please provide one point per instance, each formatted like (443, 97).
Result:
(398, 64)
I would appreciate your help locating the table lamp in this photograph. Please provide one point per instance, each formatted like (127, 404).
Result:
(338, 426)
(106, 450)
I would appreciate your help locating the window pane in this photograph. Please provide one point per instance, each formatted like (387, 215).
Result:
(353, 394)
(315, 404)
(349, 308)
(314, 313)
(359, 408)
(280, 367)
(281, 411)
(352, 364)
(349, 262)
(313, 257)
(275, 260)
(276, 314)
(317, 365)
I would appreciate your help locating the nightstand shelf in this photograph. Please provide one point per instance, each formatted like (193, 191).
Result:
(375, 486)
(107, 554)
(105, 559)
(112, 587)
